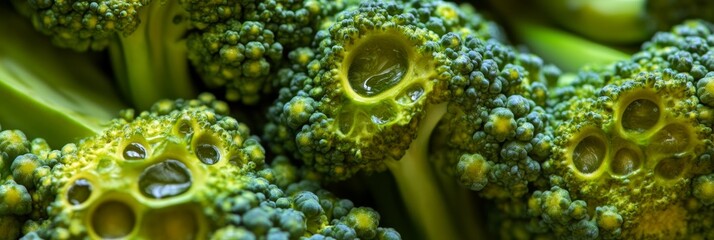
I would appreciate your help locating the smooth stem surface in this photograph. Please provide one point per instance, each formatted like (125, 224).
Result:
(611, 21)
(420, 188)
(151, 63)
(48, 92)
(568, 51)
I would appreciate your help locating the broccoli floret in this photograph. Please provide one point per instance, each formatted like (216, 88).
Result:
(24, 167)
(368, 97)
(236, 45)
(633, 144)
(241, 44)
(495, 132)
(43, 94)
(186, 170)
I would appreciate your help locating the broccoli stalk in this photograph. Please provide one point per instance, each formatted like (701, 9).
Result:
(418, 185)
(568, 51)
(623, 22)
(151, 63)
(145, 41)
(43, 93)
(611, 21)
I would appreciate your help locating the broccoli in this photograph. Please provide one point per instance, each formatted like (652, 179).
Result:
(181, 170)
(623, 22)
(236, 45)
(633, 145)
(573, 140)
(495, 132)
(144, 38)
(380, 80)
(24, 167)
(569, 51)
(240, 45)
(43, 93)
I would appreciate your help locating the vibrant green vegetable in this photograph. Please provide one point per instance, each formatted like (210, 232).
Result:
(181, 170)
(623, 21)
(42, 92)
(441, 124)
(632, 146)
(236, 45)
(144, 38)
(378, 83)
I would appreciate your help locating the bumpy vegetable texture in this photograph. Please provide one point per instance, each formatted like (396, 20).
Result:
(24, 165)
(236, 45)
(379, 80)
(181, 170)
(427, 90)
(633, 146)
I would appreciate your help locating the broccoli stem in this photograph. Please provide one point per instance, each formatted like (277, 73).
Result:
(151, 63)
(566, 50)
(419, 186)
(611, 21)
(47, 92)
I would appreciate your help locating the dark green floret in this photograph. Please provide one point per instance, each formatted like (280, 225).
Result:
(379, 80)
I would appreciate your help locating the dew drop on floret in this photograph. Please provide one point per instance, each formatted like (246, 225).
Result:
(208, 153)
(79, 192)
(672, 138)
(640, 115)
(134, 151)
(589, 154)
(165, 179)
(625, 162)
(173, 223)
(378, 65)
(670, 168)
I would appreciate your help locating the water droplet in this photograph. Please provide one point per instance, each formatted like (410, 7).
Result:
(415, 93)
(79, 192)
(208, 153)
(346, 121)
(134, 151)
(165, 179)
(589, 154)
(640, 115)
(377, 66)
(673, 138)
(184, 126)
(625, 162)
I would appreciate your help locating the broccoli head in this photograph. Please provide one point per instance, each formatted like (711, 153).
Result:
(495, 132)
(633, 143)
(367, 94)
(144, 38)
(240, 45)
(186, 170)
